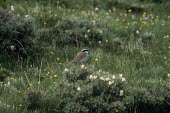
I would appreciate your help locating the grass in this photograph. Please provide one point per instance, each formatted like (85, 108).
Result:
(145, 64)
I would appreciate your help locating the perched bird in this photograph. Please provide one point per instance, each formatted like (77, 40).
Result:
(82, 56)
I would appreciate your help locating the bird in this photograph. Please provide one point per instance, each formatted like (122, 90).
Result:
(82, 56)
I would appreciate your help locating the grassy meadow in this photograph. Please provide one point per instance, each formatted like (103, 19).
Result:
(128, 70)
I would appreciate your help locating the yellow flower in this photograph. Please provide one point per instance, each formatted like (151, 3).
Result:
(169, 47)
(55, 75)
(51, 53)
(39, 82)
(58, 58)
(164, 37)
(129, 10)
(96, 59)
(117, 110)
(20, 105)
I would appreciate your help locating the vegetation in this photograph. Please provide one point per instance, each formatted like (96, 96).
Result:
(128, 68)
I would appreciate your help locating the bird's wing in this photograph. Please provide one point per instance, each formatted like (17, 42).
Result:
(80, 56)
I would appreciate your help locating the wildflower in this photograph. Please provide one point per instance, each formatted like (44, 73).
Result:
(82, 66)
(168, 17)
(137, 32)
(12, 8)
(38, 82)
(96, 9)
(169, 47)
(65, 70)
(107, 79)
(18, 91)
(7, 105)
(102, 78)
(96, 59)
(113, 77)
(93, 22)
(117, 110)
(12, 48)
(123, 79)
(58, 58)
(55, 75)
(51, 53)
(120, 75)
(45, 23)
(111, 82)
(78, 89)
(85, 36)
(117, 20)
(26, 16)
(93, 77)
(121, 92)
(168, 75)
(100, 42)
(88, 30)
(20, 105)
(167, 36)
(100, 31)
(129, 10)
(106, 41)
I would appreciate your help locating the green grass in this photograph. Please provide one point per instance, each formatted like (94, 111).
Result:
(144, 65)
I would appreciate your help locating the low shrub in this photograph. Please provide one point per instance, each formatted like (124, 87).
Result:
(17, 36)
(77, 32)
(80, 90)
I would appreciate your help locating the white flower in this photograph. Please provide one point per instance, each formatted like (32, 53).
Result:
(123, 79)
(100, 31)
(12, 8)
(93, 22)
(111, 82)
(78, 89)
(93, 77)
(137, 32)
(113, 77)
(107, 79)
(82, 66)
(96, 9)
(26, 16)
(167, 36)
(88, 30)
(121, 92)
(102, 78)
(168, 75)
(12, 47)
(100, 42)
(65, 70)
(106, 40)
(85, 36)
(100, 71)
(120, 75)
(7, 105)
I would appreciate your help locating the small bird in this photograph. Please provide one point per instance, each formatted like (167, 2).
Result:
(82, 56)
